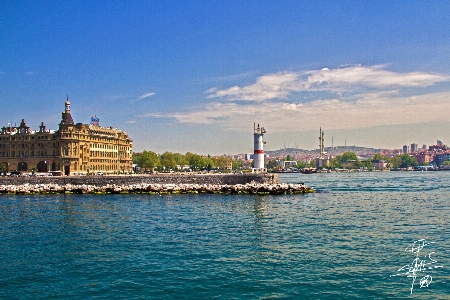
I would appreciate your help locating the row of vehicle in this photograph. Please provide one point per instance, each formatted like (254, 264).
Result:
(27, 174)
(40, 174)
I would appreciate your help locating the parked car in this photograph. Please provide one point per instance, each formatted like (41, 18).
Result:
(55, 173)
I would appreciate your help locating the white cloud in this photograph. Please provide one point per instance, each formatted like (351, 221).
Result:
(271, 86)
(355, 97)
(282, 84)
(131, 122)
(146, 95)
(374, 76)
(370, 110)
(151, 115)
(30, 73)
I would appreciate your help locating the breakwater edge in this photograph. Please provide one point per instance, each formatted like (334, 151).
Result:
(263, 184)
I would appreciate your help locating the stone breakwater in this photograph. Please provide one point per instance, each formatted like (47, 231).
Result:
(153, 184)
(249, 188)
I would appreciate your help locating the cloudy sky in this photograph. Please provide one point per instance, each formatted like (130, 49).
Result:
(195, 75)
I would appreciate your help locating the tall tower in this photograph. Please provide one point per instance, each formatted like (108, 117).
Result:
(66, 116)
(258, 153)
(323, 160)
(321, 143)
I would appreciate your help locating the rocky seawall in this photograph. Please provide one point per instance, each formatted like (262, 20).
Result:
(153, 184)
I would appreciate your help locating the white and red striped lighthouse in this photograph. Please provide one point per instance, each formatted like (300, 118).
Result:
(258, 153)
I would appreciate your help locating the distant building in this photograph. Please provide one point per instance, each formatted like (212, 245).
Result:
(414, 148)
(73, 148)
(405, 149)
(349, 164)
(379, 164)
(440, 158)
(323, 161)
(438, 148)
(287, 163)
(423, 158)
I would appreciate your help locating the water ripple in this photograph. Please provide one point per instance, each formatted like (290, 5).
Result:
(344, 242)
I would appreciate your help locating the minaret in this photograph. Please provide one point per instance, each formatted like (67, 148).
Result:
(322, 160)
(321, 143)
(66, 116)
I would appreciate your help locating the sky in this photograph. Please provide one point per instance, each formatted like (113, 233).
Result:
(195, 76)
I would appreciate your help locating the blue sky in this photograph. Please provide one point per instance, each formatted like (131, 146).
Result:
(195, 75)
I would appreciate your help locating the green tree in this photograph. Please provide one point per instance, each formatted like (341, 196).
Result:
(395, 161)
(180, 159)
(407, 161)
(168, 161)
(148, 160)
(195, 161)
(222, 162)
(238, 164)
(208, 162)
(288, 157)
(272, 164)
(402, 161)
(350, 157)
(135, 158)
(336, 162)
(301, 164)
(368, 164)
(379, 156)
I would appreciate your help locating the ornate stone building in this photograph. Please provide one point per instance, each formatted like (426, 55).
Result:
(73, 149)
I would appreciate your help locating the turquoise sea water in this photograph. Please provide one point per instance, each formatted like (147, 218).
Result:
(343, 242)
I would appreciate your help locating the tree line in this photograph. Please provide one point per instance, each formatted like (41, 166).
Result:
(168, 161)
(350, 160)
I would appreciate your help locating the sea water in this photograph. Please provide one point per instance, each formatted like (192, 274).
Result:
(374, 235)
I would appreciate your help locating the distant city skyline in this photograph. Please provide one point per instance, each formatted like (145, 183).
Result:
(195, 76)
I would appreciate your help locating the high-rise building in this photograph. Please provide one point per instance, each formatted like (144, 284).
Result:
(405, 149)
(414, 148)
(73, 148)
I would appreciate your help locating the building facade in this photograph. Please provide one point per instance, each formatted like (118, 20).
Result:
(405, 149)
(73, 149)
